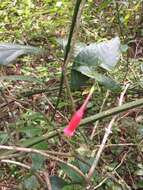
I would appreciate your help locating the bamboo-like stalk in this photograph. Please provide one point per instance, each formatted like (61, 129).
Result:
(113, 111)
(69, 50)
(99, 116)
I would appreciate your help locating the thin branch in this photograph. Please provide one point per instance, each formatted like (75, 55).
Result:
(113, 111)
(122, 182)
(57, 111)
(122, 161)
(114, 172)
(101, 183)
(31, 142)
(16, 163)
(105, 138)
(69, 50)
(96, 124)
(114, 145)
(46, 175)
(30, 150)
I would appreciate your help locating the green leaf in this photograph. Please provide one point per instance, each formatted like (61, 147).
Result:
(140, 184)
(102, 79)
(105, 54)
(74, 176)
(77, 80)
(3, 137)
(112, 186)
(9, 52)
(57, 183)
(78, 46)
(31, 183)
(139, 172)
(31, 131)
(140, 130)
(37, 161)
(124, 48)
(107, 82)
(103, 5)
(85, 167)
(41, 145)
(20, 77)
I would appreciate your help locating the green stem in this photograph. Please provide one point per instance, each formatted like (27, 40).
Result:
(68, 52)
(36, 91)
(96, 117)
(102, 115)
(113, 111)
(74, 20)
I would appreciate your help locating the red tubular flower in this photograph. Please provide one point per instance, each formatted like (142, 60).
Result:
(76, 118)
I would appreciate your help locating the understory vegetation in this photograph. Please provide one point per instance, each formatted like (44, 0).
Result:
(59, 59)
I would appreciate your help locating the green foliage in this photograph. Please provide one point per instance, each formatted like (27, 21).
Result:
(28, 20)
(113, 186)
(31, 183)
(30, 127)
(37, 161)
(76, 178)
(26, 110)
(90, 59)
(57, 183)
(9, 52)
(77, 48)
(3, 137)
(31, 131)
(104, 54)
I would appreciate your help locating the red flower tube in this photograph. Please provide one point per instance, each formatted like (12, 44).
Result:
(78, 115)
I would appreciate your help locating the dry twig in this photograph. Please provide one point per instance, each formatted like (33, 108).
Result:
(105, 138)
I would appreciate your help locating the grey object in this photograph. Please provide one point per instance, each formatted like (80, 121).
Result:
(9, 52)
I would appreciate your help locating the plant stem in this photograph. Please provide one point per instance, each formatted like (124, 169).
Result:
(43, 153)
(113, 111)
(105, 138)
(70, 45)
(96, 124)
(69, 49)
